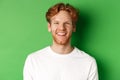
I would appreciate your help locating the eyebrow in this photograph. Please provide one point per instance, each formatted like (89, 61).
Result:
(59, 20)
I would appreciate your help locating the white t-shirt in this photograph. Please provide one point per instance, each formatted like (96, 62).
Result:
(48, 65)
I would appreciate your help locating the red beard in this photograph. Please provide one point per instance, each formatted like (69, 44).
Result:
(61, 40)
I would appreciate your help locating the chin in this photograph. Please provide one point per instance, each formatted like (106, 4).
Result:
(61, 42)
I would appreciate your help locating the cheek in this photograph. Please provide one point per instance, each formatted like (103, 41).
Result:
(70, 29)
(53, 28)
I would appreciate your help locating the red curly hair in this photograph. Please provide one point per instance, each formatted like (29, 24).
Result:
(52, 11)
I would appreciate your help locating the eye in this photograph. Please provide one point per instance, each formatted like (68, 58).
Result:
(67, 23)
(56, 23)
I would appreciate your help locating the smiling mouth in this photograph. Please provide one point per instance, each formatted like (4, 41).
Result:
(61, 33)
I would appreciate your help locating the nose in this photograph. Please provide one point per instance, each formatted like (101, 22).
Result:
(62, 27)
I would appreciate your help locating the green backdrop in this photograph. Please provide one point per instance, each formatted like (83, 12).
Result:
(23, 30)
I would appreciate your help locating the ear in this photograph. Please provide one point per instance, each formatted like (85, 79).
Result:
(74, 28)
(49, 27)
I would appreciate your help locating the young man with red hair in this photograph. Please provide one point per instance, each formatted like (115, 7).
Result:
(60, 61)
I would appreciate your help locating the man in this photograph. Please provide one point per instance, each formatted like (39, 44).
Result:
(60, 61)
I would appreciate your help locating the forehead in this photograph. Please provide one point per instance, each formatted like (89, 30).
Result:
(62, 16)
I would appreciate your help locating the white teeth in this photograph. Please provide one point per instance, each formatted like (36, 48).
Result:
(61, 34)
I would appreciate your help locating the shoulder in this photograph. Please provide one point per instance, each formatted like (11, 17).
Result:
(39, 53)
(85, 56)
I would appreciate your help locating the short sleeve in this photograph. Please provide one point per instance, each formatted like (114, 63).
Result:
(93, 73)
(28, 70)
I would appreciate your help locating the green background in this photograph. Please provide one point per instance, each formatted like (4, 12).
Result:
(23, 30)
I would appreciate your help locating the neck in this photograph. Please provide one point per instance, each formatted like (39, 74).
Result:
(62, 49)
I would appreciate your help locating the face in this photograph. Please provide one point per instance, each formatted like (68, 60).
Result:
(61, 27)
